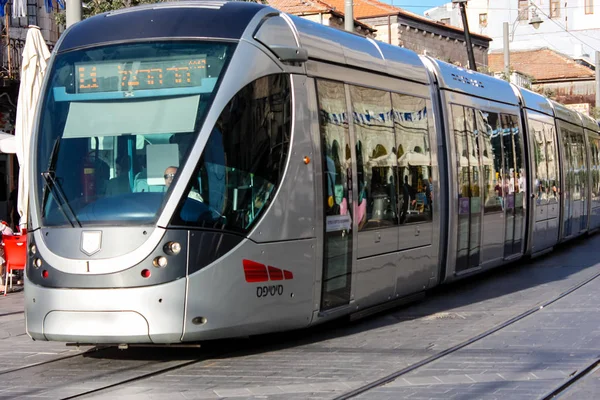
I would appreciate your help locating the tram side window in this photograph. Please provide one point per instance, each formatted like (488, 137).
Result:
(540, 176)
(552, 161)
(594, 163)
(488, 127)
(466, 154)
(376, 147)
(243, 160)
(414, 158)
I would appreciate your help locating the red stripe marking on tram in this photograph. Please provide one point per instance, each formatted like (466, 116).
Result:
(255, 272)
(275, 274)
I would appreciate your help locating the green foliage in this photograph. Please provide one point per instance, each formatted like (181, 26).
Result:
(595, 112)
(93, 7)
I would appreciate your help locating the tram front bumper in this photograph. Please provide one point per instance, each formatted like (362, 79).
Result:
(152, 314)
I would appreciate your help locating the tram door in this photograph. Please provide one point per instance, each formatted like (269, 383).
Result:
(574, 198)
(337, 196)
(582, 180)
(513, 185)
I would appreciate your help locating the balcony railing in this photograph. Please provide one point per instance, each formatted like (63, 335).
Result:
(11, 57)
(11, 54)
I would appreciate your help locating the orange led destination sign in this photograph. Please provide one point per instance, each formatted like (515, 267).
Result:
(140, 75)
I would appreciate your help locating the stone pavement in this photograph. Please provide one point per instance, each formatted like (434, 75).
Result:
(525, 360)
(17, 349)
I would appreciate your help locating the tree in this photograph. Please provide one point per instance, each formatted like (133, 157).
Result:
(93, 7)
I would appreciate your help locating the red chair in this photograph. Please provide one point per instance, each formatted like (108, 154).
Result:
(15, 253)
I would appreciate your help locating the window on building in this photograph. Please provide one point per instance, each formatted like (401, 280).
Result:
(554, 8)
(483, 20)
(23, 22)
(445, 21)
(589, 6)
(523, 10)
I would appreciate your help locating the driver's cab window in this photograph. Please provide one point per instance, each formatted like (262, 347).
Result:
(243, 160)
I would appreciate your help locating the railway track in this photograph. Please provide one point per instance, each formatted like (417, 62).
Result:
(11, 313)
(111, 367)
(572, 380)
(397, 374)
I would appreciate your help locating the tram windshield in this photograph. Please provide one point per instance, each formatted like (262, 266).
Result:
(117, 123)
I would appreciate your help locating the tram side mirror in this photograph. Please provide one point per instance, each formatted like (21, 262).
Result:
(290, 54)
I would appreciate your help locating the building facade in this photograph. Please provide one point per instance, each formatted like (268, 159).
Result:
(558, 76)
(568, 26)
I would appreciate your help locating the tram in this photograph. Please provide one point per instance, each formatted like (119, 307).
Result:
(194, 179)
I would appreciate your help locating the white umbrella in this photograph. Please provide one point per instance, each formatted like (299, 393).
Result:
(383, 161)
(7, 143)
(33, 68)
(414, 159)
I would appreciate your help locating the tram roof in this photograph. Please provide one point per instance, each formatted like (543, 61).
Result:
(566, 114)
(341, 47)
(218, 19)
(473, 83)
(589, 123)
(535, 101)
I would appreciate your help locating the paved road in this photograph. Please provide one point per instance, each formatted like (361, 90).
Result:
(523, 361)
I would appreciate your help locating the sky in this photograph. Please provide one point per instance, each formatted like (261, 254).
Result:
(416, 6)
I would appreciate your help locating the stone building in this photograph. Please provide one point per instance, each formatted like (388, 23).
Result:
(555, 75)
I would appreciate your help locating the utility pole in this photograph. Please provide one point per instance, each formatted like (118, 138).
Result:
(73, 11)
(349, 15)
(463, 13)
(506, 51)
(598, 80)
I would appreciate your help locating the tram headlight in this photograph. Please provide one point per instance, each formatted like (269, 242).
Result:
(33, 249)
(172, 248)
(160, 262)
(37, 263)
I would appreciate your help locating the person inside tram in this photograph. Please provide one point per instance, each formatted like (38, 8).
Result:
(120, 183)
(408, 196)
(429, 193)
(170, 174)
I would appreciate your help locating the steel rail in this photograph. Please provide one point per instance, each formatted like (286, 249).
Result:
(394, 375)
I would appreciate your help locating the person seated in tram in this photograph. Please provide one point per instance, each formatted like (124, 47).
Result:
(170, 174)
(120, 183)
(408, 196)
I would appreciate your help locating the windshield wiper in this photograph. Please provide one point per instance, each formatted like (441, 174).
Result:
(51, 185)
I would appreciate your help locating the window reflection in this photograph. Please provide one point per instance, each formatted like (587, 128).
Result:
(373, 125)
(594, 171)
(414, 158)
(243, 160)
(394, 179)
(551, 162)
(541, 181)
(488, 124)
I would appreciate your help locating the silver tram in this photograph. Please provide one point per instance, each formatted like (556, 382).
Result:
(194, 179)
